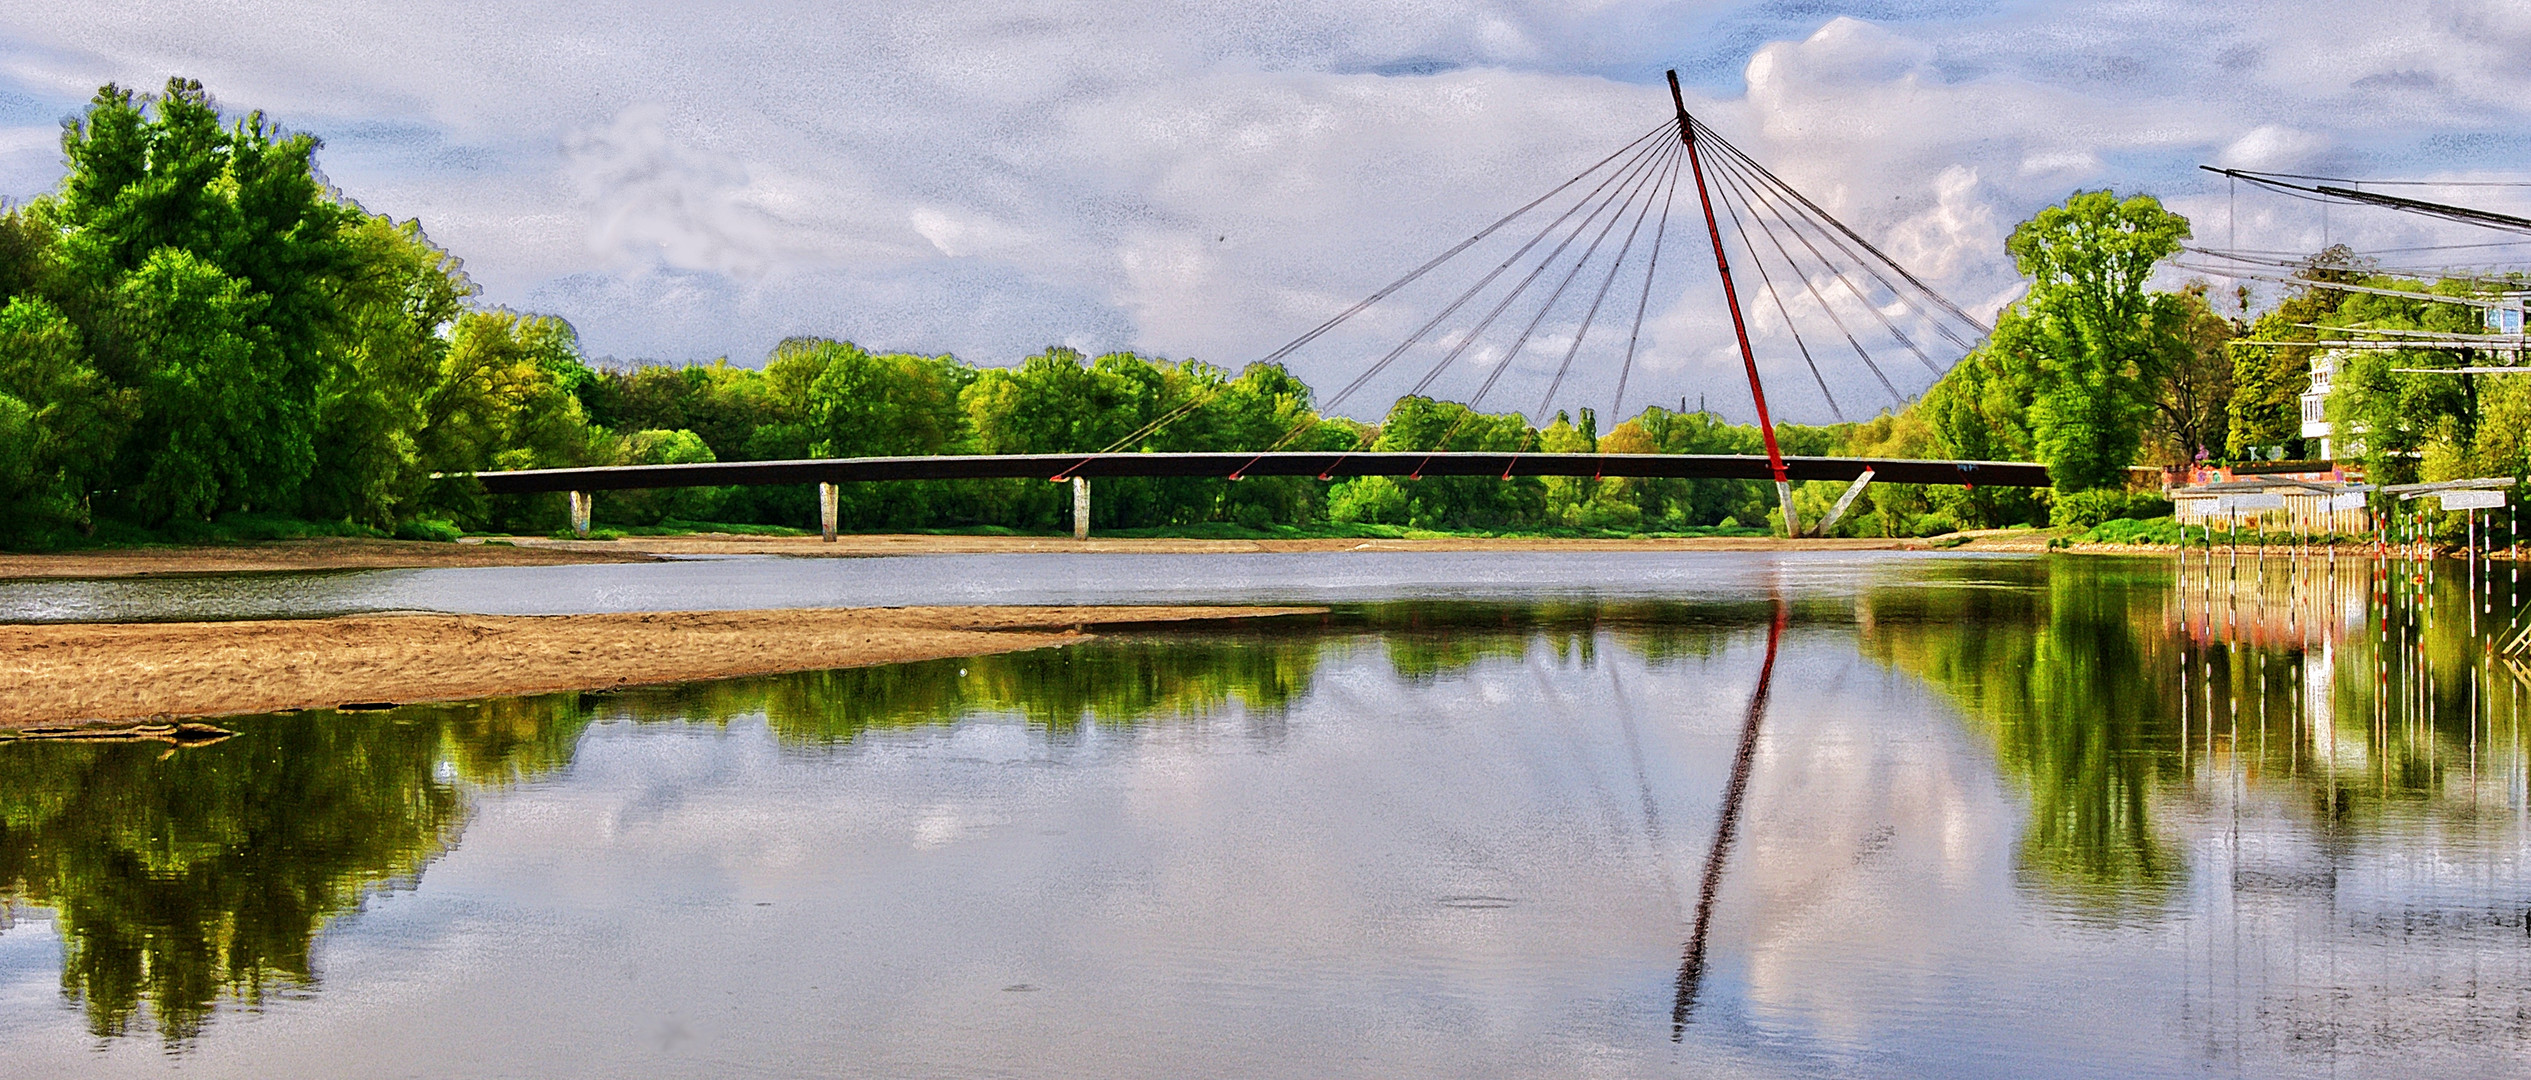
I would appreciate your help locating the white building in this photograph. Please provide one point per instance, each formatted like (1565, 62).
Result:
(2315, 400)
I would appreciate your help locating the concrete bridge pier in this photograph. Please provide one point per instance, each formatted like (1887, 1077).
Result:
(580, 513)
(826, 510)
(1080, 508)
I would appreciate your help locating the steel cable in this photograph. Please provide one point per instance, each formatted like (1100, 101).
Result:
(1768, 280)
(1928, 292)
(1830, 265)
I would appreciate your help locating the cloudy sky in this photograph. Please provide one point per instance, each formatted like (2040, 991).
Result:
(1206, 179)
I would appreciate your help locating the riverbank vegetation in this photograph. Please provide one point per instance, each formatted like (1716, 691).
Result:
(201, 341)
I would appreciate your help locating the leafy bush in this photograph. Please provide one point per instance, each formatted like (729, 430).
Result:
(2158, 530)
(2085, 509)
(440, 531)
(1369, 500)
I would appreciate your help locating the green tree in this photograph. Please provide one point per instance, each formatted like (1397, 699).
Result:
(2097, 341)
(214, 432)
(2192, 413)
(58, 421)
(1421, 424)
(503, 399)
(387, 348)
(2402, 419)
(206, 264)
(1681, 504)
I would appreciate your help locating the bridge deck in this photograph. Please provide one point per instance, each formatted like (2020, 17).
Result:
(1234, 466)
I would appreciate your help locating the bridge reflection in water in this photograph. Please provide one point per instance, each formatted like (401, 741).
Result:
(2302, 787)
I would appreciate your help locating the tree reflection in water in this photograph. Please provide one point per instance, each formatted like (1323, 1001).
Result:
(181, 877)
(2068, 678)
(2114, 690)
(2119, 700)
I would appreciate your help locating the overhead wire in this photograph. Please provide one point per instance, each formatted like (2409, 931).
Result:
(2250, 174)
(2389, 250)
(2338, 286)
(2467, 215)
(2288, 261)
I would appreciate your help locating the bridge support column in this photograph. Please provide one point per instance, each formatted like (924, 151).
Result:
(1080, 508)
(580, 513)
(1845, 502)
(826, 512)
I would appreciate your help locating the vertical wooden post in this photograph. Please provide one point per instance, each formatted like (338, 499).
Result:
(826, 511)
(580, 513)
(1080, 508)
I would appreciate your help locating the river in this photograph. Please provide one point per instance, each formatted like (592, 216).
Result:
(1723, 815)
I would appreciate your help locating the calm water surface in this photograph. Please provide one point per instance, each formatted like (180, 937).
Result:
(1801, 817)
(748, 583)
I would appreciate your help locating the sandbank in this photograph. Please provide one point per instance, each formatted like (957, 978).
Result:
(100, 672)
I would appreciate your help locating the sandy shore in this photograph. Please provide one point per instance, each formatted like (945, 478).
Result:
(125, 671)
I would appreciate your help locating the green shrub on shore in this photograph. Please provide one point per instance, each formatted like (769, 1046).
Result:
(425, 529)
(2086, 509)
(2142, 531)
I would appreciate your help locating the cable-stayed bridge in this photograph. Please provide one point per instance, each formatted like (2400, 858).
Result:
(1559, 290)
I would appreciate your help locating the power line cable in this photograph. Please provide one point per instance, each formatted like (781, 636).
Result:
(2294, 263)
(2467, 215)
(2254, 174)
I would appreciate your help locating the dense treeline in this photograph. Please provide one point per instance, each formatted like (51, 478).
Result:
(193, 325)
(2391, 409)
(195, 329)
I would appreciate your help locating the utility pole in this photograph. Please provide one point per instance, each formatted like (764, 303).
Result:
(1731, 298)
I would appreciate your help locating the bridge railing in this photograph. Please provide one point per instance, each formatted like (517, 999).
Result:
(1231, 466)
